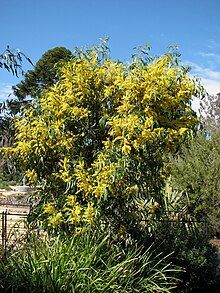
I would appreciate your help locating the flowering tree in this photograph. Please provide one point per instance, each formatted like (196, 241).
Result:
(96, 141)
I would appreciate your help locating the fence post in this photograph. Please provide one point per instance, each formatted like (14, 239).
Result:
(6, 236)
(4, 233)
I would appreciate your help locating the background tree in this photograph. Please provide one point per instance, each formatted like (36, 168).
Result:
(210, 112)
(196, 170)
(11, 60)
(43, 75)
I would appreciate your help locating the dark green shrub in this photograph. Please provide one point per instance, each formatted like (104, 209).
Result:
(191, 249)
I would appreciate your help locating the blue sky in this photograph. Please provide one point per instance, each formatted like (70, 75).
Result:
(38, 25)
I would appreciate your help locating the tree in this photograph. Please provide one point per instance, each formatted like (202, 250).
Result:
(43, 75)
(11, 60)
(96, 141)
(195, 170)
(210, 112)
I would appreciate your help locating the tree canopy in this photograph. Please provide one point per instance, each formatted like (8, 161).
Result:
(195, 170)
(96, 140)
(43, 75)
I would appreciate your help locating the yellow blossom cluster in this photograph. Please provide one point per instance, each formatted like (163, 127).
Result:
(71, 213)
(102, 131)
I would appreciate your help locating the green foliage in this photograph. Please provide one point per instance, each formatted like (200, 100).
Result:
(43, 75)
(87, 262)
(11, 60)
(3, 184)
(196, 171)
(189, 242)
(97, 139)
(178, 231)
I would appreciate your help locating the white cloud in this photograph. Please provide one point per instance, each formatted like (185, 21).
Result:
(215, 57)
(196, 104)
(5, 90)
(211, 86)
(210, 79)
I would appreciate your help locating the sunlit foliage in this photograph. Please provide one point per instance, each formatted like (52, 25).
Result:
(96, 141)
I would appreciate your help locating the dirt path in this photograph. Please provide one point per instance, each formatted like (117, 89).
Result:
(13, 197)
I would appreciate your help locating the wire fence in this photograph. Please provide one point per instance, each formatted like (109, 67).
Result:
(13, 226)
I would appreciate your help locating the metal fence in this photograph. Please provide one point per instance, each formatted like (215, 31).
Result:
(13, 227)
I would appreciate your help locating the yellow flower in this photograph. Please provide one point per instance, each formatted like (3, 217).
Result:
(126, 149)
(55, 220)
(100, 189)
(49, 209)
(71, 200)
(64, 172)
(58, 218)
(89, 214)
(75, 215)
(32, 175)
(183, 130)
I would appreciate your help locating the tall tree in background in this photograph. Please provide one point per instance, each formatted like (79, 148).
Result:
(43, 75)
(196, 169)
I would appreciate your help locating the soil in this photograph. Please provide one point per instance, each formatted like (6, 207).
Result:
(13, 197)
(216, 243)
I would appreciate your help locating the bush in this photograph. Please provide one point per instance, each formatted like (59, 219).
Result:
(88, 262)
(96, 140)
(191, 249)
(196, 171)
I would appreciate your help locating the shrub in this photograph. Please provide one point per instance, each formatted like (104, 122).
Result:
(96, 140)
(191, 249)
(196, 171)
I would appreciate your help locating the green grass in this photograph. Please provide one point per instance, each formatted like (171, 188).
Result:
(86, 263)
